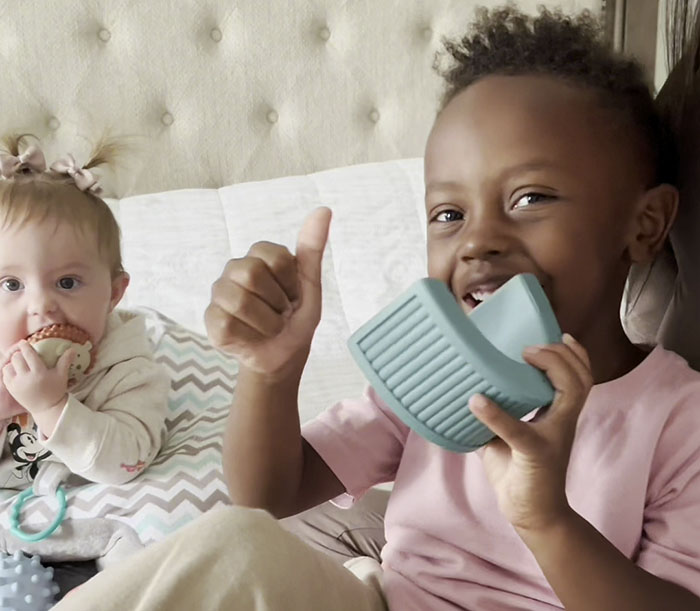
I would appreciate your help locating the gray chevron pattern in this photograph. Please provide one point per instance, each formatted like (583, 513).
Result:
(186, 478)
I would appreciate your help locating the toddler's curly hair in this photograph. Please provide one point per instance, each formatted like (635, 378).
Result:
(506, 41)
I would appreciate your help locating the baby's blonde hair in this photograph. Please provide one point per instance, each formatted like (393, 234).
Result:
(34, 197)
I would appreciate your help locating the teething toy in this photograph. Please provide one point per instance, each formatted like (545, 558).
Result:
(25, 585)
(16, 512)
(425, 358)
(52, 341)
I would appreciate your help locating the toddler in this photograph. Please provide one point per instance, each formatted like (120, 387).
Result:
(60, 264)
(547, 157)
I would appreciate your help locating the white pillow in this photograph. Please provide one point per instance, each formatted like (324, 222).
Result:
(176, 244)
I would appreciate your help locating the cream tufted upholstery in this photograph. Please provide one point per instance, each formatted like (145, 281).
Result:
(220, 91)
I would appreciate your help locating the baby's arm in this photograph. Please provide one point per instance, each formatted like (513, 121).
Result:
(527, 466)
(113, 444)
(264, 311)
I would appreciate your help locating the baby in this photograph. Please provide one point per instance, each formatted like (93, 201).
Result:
(60, 268)
(60, 263)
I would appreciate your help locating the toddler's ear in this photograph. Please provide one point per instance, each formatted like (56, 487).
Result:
(119, 284)
(654, 215)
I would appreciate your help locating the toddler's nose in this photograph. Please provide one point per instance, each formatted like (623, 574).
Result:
(485, 236)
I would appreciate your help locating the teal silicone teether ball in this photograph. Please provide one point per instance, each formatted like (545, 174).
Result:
(425, 357)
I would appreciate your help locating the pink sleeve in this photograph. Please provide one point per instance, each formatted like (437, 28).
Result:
(361, 441)
(670, 545)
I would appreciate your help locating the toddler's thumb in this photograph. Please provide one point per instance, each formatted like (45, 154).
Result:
(311, 243)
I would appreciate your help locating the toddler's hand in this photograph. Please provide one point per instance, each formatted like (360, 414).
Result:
(31, 383)
(265, 307)
(528, 461)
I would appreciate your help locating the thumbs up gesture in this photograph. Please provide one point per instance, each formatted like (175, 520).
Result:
(265, 307)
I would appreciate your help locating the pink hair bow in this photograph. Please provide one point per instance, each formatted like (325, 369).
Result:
(32, 158)
(84, 179)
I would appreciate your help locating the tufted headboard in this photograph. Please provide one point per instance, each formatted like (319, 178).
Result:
(216, 92)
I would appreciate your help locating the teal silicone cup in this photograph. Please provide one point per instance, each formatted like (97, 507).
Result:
(425, 357)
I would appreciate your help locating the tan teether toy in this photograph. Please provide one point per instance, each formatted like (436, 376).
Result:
(52, 341)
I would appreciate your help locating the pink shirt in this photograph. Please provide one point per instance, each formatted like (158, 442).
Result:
(634, 474)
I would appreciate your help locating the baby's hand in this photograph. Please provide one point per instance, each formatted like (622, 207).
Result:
(265, 307)
(528, 461)
(32, 384)
(8, 404)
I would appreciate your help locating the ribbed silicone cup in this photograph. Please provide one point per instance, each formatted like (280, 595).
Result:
(426, 359)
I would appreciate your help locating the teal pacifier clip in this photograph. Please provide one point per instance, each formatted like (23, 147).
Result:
(425, 357)
(47, 482)
(15, 516)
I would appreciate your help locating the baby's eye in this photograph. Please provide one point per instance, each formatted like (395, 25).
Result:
(11, 285)
(529, 199)
(448, 216)
(68, 283)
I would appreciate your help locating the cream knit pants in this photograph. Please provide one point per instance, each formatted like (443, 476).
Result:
(231, 559)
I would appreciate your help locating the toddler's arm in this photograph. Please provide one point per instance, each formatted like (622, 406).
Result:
(264, 311)
(527, 465)
(589, 573)
(115, 443)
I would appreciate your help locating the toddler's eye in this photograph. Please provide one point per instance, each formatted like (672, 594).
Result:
(448, 216)
(529, 199)
(68, 283)
(11, 285)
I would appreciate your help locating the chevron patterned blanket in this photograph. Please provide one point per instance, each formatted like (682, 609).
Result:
(186, 478)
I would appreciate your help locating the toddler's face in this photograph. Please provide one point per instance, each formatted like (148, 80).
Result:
(527, 174)
(53, 273)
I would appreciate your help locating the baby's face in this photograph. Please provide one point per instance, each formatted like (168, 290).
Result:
(527, 174)
(52, 273)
